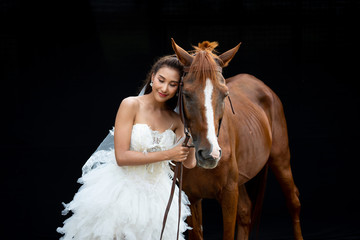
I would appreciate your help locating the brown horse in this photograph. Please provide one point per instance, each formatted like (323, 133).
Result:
(251, 139)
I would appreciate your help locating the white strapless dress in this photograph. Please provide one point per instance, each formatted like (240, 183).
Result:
(127, 203)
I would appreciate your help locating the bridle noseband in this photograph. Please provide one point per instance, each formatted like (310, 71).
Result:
(178, 171)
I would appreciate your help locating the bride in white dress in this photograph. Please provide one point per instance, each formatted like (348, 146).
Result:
(127, 186)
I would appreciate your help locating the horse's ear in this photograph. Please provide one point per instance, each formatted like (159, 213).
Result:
(227, 56)
(184, 57)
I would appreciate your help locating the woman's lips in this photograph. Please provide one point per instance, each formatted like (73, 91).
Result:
(162, 95)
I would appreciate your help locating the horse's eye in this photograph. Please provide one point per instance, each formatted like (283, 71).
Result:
(187, 95)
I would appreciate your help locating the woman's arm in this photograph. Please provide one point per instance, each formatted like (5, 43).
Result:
(124, 121)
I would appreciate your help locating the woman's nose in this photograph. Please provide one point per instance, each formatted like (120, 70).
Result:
(164, 88)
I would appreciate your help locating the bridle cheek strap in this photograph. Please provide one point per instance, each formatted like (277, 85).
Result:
(220, 121)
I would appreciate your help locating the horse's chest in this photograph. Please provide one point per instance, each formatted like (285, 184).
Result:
(202, 183)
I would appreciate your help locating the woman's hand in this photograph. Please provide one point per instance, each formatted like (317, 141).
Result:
(178, 153)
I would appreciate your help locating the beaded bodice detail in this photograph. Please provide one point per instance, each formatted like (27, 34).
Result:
(146, 140)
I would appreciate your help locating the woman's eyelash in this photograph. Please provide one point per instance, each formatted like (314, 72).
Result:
(162, 81)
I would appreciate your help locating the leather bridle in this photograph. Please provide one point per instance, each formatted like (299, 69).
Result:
(178, 171)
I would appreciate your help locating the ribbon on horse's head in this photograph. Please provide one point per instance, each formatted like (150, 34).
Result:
(178, 171)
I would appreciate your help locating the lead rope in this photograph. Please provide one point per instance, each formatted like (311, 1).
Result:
(178, 171)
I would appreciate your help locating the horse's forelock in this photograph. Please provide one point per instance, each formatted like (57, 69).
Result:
(204, 65)
(206, 45)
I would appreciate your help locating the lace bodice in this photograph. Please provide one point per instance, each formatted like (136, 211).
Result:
(144, 139)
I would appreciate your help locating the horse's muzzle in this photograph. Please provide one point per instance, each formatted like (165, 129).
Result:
(206, 160)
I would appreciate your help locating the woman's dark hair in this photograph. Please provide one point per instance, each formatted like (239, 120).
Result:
(170, 61)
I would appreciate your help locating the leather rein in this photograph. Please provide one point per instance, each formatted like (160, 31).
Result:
(178, 171)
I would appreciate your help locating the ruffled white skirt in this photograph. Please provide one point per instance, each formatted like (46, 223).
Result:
(124, 203)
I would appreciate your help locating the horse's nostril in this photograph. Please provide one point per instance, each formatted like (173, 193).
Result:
(202, 153)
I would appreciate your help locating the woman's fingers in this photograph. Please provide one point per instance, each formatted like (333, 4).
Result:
(182, 154)
(185, 152)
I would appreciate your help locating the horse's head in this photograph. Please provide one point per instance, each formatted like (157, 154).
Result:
(204, 92)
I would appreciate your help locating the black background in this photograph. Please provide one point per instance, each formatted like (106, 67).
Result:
(66, 66)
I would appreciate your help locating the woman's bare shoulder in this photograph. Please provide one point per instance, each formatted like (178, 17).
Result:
(128, 108)
(177, 123)
(130, 102)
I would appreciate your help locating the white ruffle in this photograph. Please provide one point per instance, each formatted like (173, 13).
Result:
(129, 202)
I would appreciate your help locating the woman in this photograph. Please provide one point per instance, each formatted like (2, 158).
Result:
(125, 189)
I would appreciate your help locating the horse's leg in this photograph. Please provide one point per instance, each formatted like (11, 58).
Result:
(282, 171)
(280, 164)
(195, 221)
(243, 214)
(228, 200)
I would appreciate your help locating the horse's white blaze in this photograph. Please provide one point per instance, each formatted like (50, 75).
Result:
(211, 136)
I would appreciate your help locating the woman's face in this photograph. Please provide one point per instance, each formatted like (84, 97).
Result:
(165, 83)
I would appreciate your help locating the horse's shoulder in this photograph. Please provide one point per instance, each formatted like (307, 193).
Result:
(246, 86)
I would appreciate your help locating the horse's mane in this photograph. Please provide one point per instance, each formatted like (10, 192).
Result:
(204, 65)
